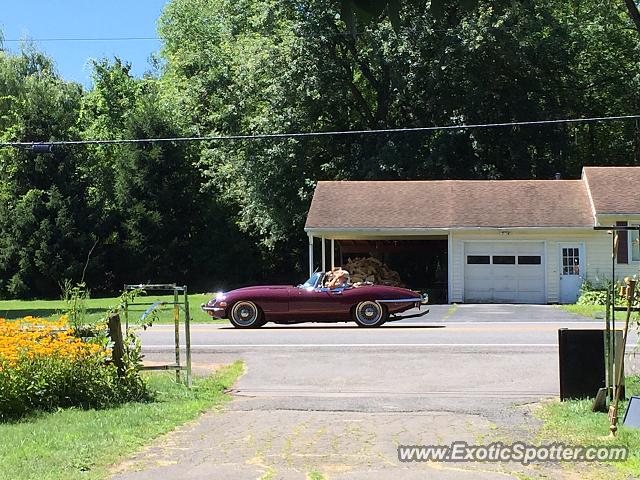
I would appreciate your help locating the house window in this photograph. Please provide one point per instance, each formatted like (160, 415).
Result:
(634, 245)
(504, 260)
(477, 259)
(571, 261)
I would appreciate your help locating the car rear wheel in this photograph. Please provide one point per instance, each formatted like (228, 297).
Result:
(246, 315)
(369, 314)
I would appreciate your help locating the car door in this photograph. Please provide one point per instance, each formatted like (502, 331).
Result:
(316, 302)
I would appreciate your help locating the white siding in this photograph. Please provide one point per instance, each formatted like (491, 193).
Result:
(622, 270)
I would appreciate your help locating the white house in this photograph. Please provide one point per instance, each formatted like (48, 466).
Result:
(521, 241)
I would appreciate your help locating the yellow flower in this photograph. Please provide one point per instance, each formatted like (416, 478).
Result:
(37, 338)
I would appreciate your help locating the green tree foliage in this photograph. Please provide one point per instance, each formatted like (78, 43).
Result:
(364, 12)
(160, 226)
(138, 209)
(43, 218)
(265, 66)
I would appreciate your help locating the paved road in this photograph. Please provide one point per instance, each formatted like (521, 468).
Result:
(478, 326)
(339, 399)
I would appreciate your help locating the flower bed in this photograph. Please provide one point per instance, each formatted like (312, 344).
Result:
(43, 366)
(33, 338)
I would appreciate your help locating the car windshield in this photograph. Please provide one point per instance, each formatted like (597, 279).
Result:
(313, 281)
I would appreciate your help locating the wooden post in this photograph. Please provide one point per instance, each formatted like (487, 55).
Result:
(115, 333)
(324, 255)
(629, 293)
(187, 334)
(176, 330)
(608, 348)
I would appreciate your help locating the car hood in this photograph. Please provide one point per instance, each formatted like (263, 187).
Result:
(233, 294)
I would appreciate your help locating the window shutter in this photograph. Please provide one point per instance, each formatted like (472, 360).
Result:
(623, 245)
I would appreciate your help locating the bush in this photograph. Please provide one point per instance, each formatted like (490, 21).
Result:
(595, 297)
(43, 366)
(592, 294)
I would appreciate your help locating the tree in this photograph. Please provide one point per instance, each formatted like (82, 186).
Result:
(364, 11)
(138, 209)
(158, 226)
(43, 219)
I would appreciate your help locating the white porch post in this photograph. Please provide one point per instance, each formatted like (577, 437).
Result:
(310, 254)
(449, 266)
(333, 254)
(324, 255)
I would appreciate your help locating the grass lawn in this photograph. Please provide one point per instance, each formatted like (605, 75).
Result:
(573, 423)
(593, 311)
(82, 444)
(96, 308)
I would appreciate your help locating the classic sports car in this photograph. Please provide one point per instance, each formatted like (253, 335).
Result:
(367, 305)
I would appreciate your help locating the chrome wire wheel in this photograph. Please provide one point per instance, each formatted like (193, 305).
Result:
(245, 314)
(369, 314)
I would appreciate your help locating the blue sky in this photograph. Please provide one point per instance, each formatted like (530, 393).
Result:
(39, 19)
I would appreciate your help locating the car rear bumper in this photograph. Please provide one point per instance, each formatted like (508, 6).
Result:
(393, 318)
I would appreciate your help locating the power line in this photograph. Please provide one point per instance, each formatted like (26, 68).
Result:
(44, 145)
(77, 39)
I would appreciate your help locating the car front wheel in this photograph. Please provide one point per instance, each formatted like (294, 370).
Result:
(246, 315)
(369, 314)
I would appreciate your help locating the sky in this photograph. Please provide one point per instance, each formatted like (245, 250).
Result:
(84, 19)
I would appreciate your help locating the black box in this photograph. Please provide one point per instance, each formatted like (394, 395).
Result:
(582, 363)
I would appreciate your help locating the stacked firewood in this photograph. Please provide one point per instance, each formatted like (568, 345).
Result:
(372, 270)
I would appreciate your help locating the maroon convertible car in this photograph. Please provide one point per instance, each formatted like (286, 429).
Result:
(367, 305)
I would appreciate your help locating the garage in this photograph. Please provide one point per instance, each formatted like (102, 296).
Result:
(504, 272)
(479, 241)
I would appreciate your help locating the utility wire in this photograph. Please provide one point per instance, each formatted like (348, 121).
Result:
(43, 145)
(75, 39)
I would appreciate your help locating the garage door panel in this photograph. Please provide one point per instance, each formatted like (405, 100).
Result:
(505, 285)
(528, 285)
(514, 272)
(503, 297)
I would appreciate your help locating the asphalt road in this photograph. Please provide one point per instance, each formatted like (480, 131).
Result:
(480, 326)
(457, 373)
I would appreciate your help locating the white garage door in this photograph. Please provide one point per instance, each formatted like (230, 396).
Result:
(504, 272)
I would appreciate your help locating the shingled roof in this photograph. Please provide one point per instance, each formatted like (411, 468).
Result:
(608, 185)
(450, 204)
